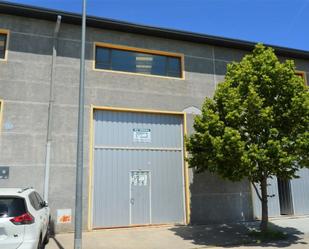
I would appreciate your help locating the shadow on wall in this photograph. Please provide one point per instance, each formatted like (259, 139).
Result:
(205, 66)
(71, 49)
(217, 201)
(236, 234)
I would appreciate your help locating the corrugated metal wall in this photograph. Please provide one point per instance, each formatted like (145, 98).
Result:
(299, 195)
(273, 202)
(300, 192)
(126, 143)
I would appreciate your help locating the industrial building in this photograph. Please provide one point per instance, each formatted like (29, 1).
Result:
(144, 85)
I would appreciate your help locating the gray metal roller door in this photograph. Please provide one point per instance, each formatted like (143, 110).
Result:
(138, 169)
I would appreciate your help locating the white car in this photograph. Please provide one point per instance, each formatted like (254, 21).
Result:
(24, 219)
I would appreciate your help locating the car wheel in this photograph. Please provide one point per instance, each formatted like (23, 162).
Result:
(47, 235)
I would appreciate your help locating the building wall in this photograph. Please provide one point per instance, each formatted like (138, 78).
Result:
(24, 87)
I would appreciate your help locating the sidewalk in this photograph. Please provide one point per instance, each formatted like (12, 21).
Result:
(187, 237)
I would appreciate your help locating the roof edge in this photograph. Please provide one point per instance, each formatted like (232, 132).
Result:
(111, 24)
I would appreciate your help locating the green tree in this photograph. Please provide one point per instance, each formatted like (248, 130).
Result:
(256, 126)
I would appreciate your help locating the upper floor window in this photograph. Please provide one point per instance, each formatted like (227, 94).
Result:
(138, 61)
(3, 45)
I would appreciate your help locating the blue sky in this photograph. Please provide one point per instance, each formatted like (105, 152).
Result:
(277, 22)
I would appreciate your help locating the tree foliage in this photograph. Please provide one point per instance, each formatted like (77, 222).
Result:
(257, 124)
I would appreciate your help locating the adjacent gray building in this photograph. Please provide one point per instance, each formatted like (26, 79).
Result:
(144, 85)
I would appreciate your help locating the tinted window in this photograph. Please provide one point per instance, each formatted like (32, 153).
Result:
(173, 67)
(103, 58)
(158, 65)
(137, 62)
(34, 201)
(2, 45)
(122, 61)
(12, 207)
(39, 198)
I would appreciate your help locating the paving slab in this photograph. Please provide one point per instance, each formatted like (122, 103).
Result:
(299, 223)
(188, 237)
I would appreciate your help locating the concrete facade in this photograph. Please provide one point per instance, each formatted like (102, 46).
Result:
(24, 89)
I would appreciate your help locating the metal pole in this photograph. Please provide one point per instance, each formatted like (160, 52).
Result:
(80, 140)
(50, 110)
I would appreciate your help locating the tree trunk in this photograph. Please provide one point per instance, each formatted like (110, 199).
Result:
(264, 195)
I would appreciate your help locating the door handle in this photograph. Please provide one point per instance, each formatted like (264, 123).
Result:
(132, 201)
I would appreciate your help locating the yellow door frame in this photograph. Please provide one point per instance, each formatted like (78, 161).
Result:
(93, 108)
(1, 113)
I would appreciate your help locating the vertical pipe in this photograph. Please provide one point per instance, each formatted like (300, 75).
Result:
(50, 110)
(214, 67)
(80, 140)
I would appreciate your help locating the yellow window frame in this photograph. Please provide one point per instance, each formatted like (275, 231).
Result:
(1, 113)
(141, 50)
(303, 75)
(7, 33)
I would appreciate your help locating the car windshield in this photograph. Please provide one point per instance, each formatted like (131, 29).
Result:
(11, 207)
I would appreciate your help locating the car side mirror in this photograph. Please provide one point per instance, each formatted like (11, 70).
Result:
(44, 204)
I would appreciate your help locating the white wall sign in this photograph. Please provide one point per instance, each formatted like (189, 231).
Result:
(141, 135)
(139, 178)
(64, 216)
(4, 173)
